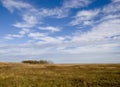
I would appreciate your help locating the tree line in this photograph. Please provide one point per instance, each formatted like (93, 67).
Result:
(37, 62)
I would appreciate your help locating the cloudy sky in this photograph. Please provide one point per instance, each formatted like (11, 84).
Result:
(63, 31)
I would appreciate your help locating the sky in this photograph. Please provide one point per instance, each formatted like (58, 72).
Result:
(62, 31)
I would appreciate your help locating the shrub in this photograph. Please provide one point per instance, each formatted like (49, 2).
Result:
(37, 62)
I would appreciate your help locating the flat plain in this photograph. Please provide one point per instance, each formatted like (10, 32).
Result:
(59, 75)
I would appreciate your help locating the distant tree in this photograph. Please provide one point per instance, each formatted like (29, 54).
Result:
(37, 62)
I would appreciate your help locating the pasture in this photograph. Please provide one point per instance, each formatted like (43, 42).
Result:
(59, 75)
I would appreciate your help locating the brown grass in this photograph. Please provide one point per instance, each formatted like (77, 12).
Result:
(59, 75)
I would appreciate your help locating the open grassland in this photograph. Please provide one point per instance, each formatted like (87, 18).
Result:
(59, 75)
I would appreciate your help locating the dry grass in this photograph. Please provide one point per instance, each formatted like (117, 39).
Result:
(59, 75)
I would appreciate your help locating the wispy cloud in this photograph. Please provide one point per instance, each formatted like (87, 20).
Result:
(43, 37)
(112, 8)
(50, 28)
(29, 21)
(116, 0)
(103, 35)
(36, 35)
(75, 3)
(31, 16)
(102, 32)
(12, 36)
(103, 29)
(15, 4)
(84, 17)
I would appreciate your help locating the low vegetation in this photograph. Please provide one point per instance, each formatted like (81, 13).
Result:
(55, 75)
(37, 62)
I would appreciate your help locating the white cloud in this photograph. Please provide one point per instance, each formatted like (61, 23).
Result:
(63, 11)
(36, 35)
(15, 4)
(101, 48)
(101, 32)
(92, 54)
(58, 12)
(50, 28)
(43, 37)
(75, 3)
(111, 8)
(11, 5)
(85, 17)
(115, 0)
(55, 13)
(29, 21)
(105, 30)
(52, 40)
(19, 35)
(110, 17)
(24, 31)
(87, 14)
(104, 37)
(31, 17)
(11, 36)
(91, 17)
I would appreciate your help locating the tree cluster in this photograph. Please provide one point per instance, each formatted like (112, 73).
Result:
(37, 62)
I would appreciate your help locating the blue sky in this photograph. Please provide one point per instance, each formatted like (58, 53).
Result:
(63, 31)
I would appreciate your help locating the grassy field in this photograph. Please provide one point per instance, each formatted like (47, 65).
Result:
(56, 75)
